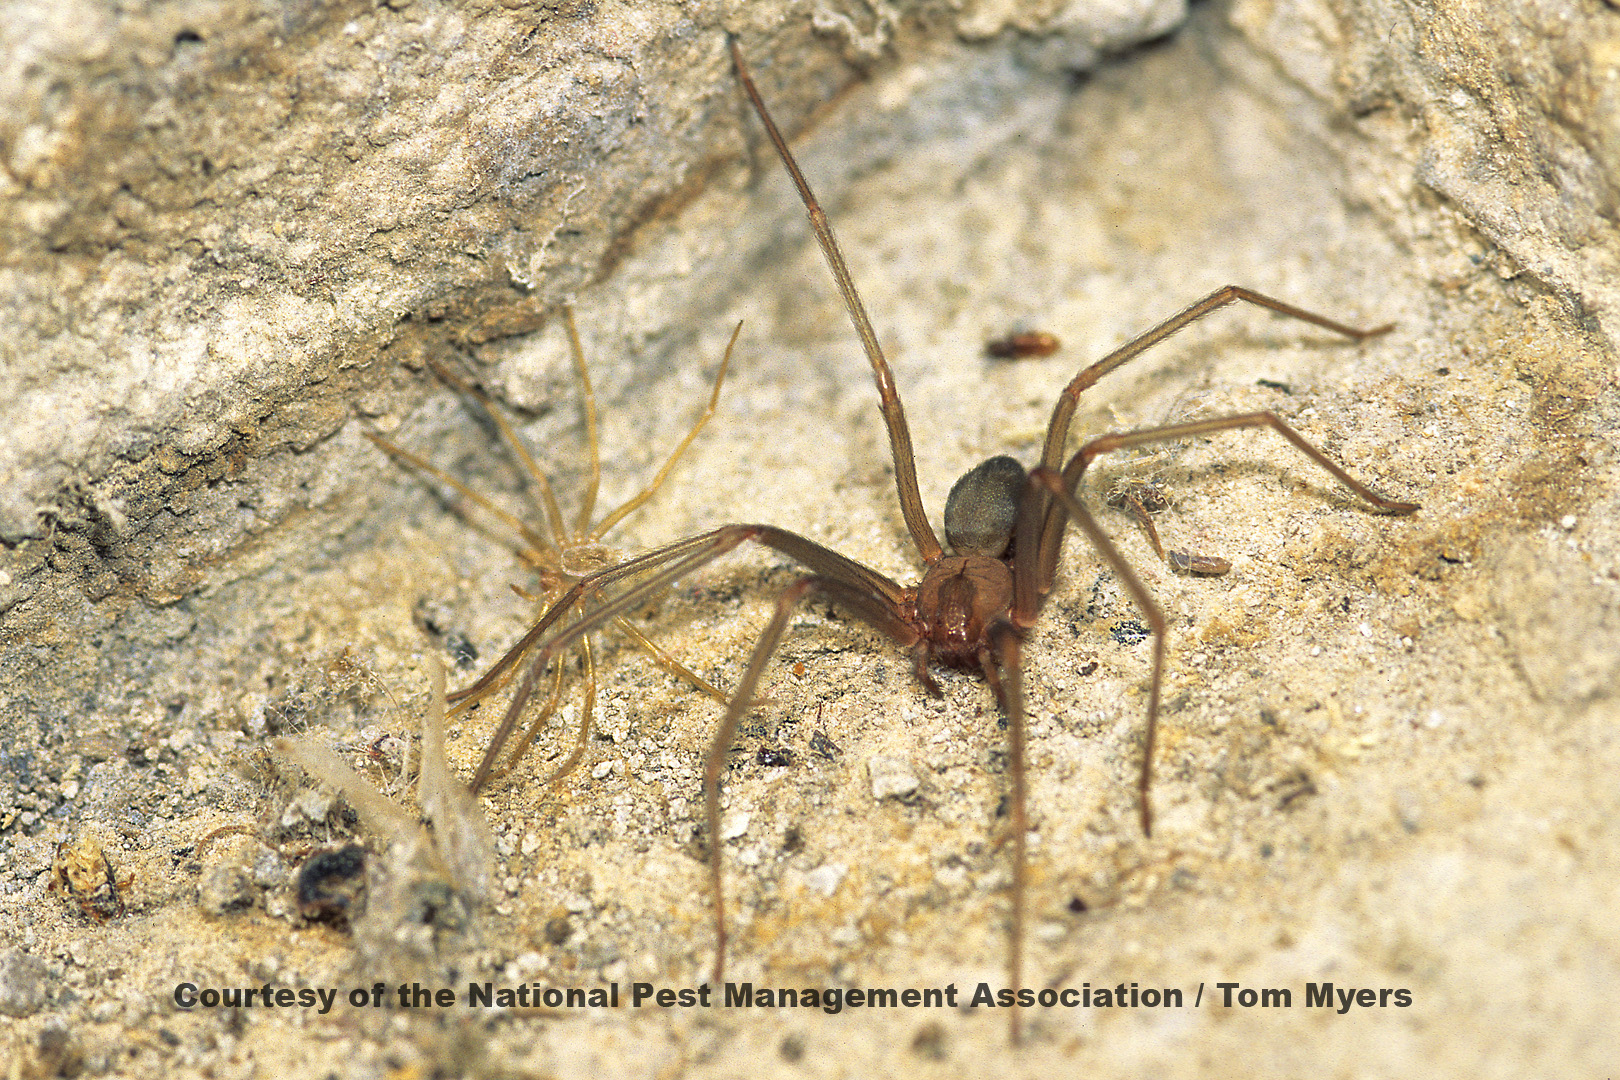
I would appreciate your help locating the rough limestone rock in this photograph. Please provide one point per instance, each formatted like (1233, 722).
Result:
(238, 238)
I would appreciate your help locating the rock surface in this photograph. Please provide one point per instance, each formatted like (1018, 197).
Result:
(235, 235)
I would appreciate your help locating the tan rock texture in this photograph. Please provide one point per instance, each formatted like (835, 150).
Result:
(235, 235)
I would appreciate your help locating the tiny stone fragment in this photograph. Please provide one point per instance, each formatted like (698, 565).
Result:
(22, 983)
(734, 825)
(825, 879)
(892, 777)
(225, 888)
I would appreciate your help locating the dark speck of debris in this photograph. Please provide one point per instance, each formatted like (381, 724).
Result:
(824, 746)
(792, 1048)
(1078, 906)
(1129, 632)
(1270, 384)
(774, 758)
(1090, 666)
(558, 930)
(462, 651)
(331, 882)
(1023, 344)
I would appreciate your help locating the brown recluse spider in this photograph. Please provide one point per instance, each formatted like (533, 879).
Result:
(565, 552)
(972, 608)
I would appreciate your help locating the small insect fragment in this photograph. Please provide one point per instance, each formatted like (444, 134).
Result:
(1145, 500)
(85, 875)
(1193, 563)
(1022, 345)
(824, 746)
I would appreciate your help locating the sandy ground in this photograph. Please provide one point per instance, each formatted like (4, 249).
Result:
(1388, 751)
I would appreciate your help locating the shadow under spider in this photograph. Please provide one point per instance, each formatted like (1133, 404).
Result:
(565, 553)
(972, 609)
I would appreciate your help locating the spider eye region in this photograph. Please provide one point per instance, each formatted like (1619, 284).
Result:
(982, 508)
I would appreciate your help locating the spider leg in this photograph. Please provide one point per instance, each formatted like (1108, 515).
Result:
(511, 521)
(585, 715)
(537, 725)
(894, 415)
(548, 497)
(633, 503)
(1034, 581)
(1067, 506)
(1006, 645)
(855, 597)
(1057, 432)
(1052, 533)
(672, 562)
(669, 663)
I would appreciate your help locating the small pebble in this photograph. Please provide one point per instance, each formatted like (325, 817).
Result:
(826, 878)
(22, 983)
(734, 825)
(892, 777)
(225, 888)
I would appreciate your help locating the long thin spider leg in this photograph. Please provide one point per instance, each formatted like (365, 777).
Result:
(511, 521)
(1057, 431)
(634, 502)
(686, 556)
(821, 559)
(641, 564)
(1082, 459)
(677, 560)
(1067, 504)
(548, 497)
(1105, 444)
(1004, 641)
(669, 663)
(894, 415)
(587, 503)
(873, 608)
(538, 724)
(585, 714)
